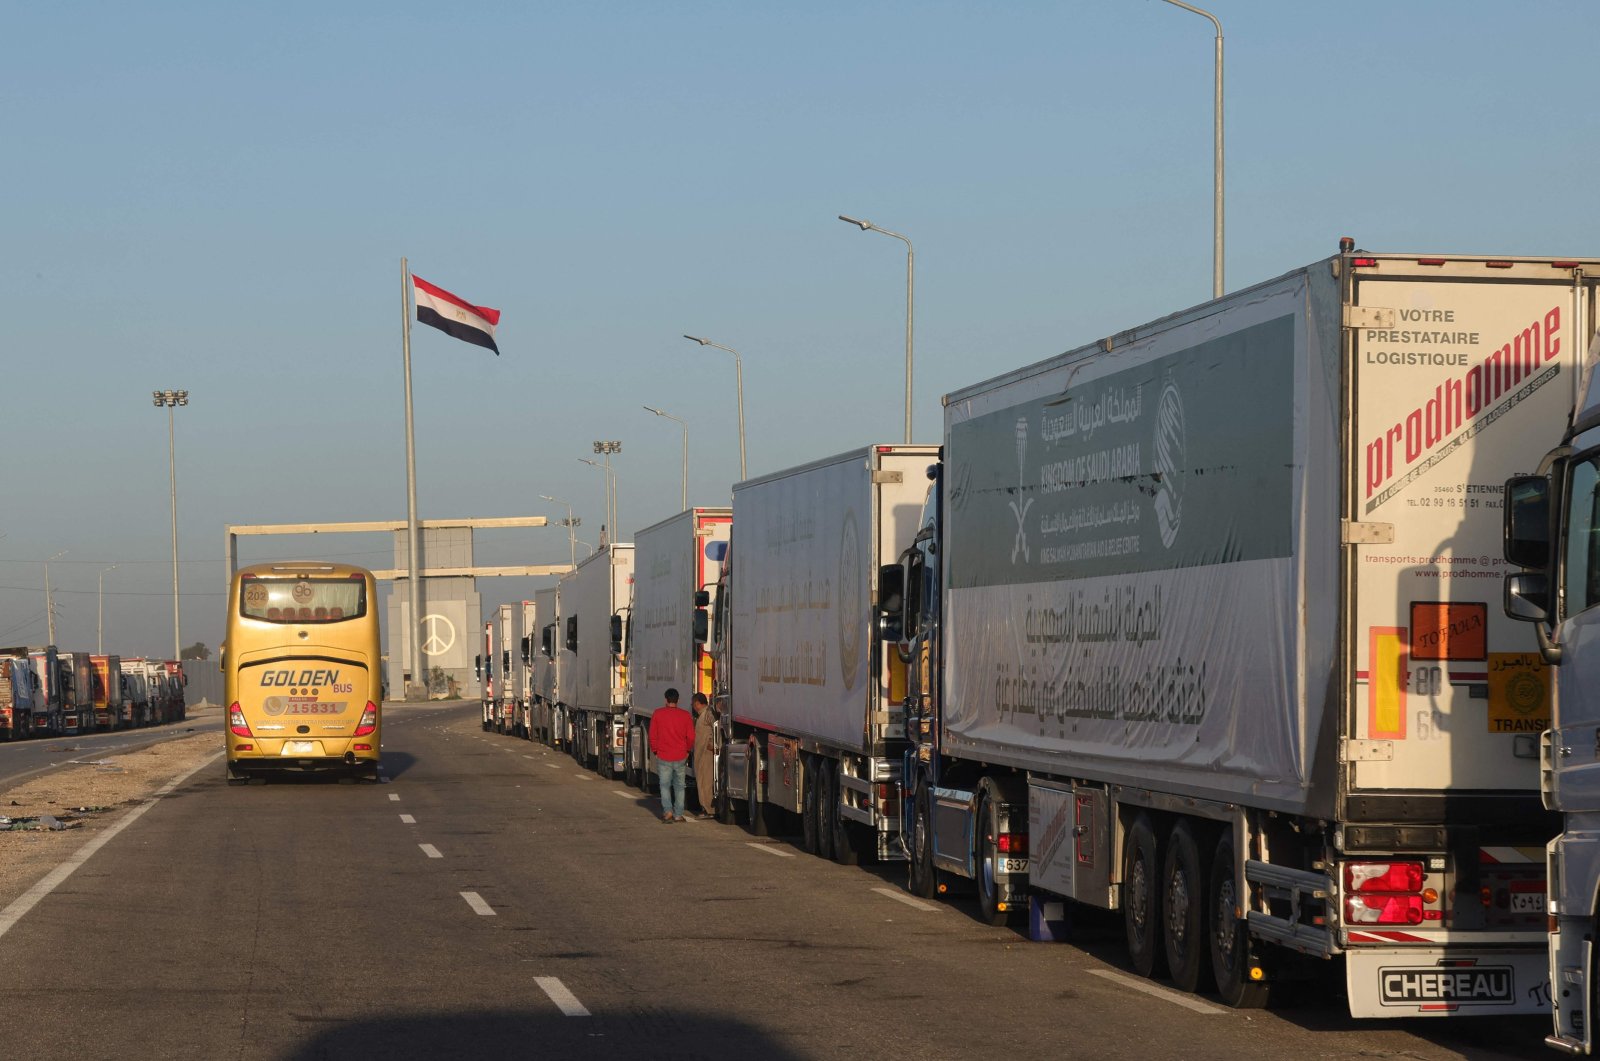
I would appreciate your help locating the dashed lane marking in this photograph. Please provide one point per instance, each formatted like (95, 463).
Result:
(585, 777)
(769, 849)
(394, 797)
(565, 1000)
(902, 898)
(479, 907)
(408, 819)
(430, 850)
(623, 794)
(553, 766)
(1148, 988)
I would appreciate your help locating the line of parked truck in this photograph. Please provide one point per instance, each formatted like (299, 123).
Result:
(45, 692)
(1196, 623)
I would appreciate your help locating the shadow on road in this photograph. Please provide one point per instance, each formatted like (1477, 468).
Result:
(654, 1032)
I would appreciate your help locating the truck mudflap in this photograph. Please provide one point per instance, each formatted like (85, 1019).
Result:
(1432, 982)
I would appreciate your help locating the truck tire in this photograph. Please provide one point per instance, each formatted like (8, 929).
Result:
(1141, 898)
(846, 849)
(1183, 902)
(1228, 934)
(985, 853)
(809, 777)
(605, 756)
(755, 812)
(827, 805)
(922, 879)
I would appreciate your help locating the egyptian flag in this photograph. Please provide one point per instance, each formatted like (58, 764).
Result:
(455, 316)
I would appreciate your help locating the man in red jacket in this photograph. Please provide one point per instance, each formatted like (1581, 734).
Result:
(671, 740)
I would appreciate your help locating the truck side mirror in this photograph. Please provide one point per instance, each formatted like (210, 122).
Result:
(477, 667)
(1527, 523)
(505, 662)
(616, 635)
(702, 599)
(891, 601)
(702, 624)
(1528, 597)
(527, 650)
(572, 633)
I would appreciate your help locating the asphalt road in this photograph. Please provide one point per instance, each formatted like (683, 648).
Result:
(22, 759)
(492, 900)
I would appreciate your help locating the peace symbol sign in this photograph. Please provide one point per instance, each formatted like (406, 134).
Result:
(438, 635)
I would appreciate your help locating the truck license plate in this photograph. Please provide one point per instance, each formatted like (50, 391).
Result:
(1013, 865)
(1527, 897)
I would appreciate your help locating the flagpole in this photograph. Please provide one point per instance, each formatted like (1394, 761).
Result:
(418, 689)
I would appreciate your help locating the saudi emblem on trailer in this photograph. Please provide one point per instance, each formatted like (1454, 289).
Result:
(1171, 459)
(1019, 507)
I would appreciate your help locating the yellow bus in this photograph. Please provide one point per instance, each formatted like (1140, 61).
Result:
(301, 671)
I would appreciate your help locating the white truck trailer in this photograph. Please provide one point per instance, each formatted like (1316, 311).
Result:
(676, 564)
(810, 707)
(1199, 628)
(595, 600)
(548, 705)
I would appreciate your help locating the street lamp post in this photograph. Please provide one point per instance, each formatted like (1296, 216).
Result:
(608, 532)
(606, 449)
(171, 400)
(100, 624)
(685, 425)
(572, 541)
(911, 268)
(49, 604)
(1216, 133)
(738, 374)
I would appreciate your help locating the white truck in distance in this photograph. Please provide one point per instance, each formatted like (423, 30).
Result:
(549, 708)
(1198, 626)
(676, 561)
(811, 718)
(594, 613)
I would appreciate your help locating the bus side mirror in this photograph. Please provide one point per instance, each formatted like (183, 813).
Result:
(702, 625)
(1527, 522)
(891, 601)
(616, 635)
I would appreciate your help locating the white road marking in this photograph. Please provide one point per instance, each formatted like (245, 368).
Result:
(527, 757)
(585, 777)
(900, 897)
(479, 907)
(623, 794)
(769, 849)
(394, 797)
(430, 850)
(1160, 992)
(565, 1000)
(553, 766)
(408, 819)
(52, 880)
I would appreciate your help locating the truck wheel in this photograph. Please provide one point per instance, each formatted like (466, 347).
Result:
(1141, 898)
(827, 805)
(1183, 883)
(922, 880)
(846, 851)
(604, 754)
(755, 813)
(1228, 934)
(985, 855)
(808, 804)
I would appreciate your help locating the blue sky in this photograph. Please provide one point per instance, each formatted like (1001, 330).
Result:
(217, 197)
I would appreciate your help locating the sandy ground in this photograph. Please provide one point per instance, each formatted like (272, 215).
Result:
(103, 789)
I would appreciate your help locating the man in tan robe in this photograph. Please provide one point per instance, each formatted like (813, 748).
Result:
(705, 759)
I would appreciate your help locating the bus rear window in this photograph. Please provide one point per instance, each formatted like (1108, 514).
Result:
(303, 600)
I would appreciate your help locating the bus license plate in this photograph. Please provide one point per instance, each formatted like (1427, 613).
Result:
(299, 747)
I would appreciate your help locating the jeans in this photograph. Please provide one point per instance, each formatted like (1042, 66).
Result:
(673, 776)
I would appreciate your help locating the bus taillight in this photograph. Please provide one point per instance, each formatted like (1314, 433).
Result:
(236, 722)
(369, 721)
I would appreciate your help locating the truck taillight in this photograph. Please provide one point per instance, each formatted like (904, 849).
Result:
(1012, 844)
(1383, 910)
(1369, 877)
(236, 722)
(369, 721)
